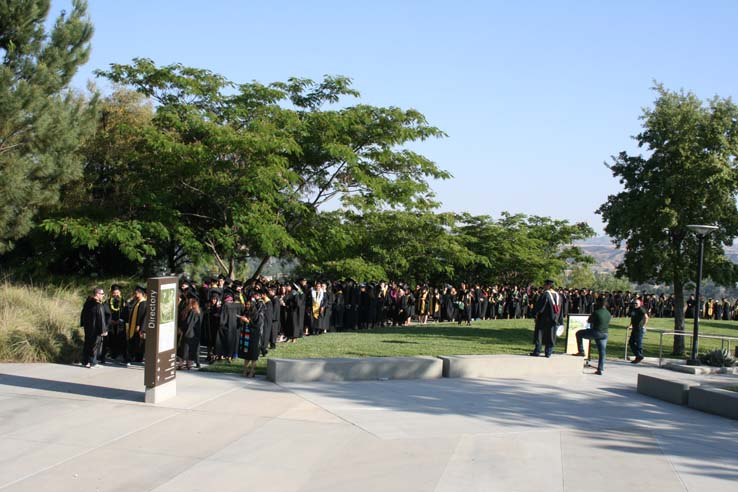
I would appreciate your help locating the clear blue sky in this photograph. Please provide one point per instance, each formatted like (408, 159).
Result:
(535, 96)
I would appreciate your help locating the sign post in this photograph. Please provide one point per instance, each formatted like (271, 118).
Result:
(575, 323)
(161, 339)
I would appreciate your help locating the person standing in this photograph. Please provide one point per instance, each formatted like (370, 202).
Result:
(226, 338)
(190, 331)
(115, 342)
(638, 320)
(548, 313)
(136, 334)
(599, 322)
(252, 325)
(92, 319)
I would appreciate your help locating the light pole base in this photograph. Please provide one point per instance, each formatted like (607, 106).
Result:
(693, 362)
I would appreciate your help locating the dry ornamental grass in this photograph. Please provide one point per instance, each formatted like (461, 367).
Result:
(39, 324)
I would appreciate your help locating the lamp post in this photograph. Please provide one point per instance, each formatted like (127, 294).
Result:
(702, 232)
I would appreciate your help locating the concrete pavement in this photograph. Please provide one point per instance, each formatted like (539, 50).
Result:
(69, 428)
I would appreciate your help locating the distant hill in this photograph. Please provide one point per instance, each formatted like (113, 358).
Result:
(607, 257)
(602, 249)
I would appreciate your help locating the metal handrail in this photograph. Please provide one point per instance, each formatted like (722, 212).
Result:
(722, 338)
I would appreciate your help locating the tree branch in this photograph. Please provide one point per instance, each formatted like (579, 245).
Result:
(220, 261)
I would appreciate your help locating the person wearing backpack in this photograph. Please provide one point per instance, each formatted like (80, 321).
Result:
(548, 313)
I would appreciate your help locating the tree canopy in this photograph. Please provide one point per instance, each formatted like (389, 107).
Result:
(42, 123)
(241, 169)
(688, 176)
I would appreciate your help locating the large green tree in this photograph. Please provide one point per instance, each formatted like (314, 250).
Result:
(42, 123)
(243, 170)
(520, 249)
(688, 175)
(409, 246)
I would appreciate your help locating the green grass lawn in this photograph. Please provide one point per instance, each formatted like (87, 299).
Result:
(483, 337)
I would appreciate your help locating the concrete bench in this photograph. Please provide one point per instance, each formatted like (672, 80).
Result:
(676, 392)
(369, 368)
(509, 366)
(714, 400)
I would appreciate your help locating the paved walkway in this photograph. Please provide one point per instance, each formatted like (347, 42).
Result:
(66, 428)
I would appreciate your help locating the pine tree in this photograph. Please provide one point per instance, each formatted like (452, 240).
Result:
(42, 122)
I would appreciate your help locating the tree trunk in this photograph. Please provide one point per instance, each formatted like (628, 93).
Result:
(172, 257)
(218, 259)
(261, 266)
(678, 348)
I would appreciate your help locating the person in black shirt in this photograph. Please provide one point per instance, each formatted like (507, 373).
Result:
(638, 320)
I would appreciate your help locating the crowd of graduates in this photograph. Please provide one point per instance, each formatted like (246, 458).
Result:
(234, 319)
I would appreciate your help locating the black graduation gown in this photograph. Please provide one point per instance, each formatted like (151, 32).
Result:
(190, 342)
(294, 313)
(326, 322)
(448, 308)
(226, 339)
(276, 318)
(251, 332)
(338, 311)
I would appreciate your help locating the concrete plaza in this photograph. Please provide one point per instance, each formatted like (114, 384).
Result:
(66, 428)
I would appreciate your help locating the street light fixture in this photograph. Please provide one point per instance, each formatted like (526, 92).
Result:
(702, 232)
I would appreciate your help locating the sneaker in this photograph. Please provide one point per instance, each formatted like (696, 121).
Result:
(579, 354)
(534, 354)
(598, 372)
(88, 365)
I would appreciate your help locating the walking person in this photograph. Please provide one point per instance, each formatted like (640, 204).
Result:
(599, 322)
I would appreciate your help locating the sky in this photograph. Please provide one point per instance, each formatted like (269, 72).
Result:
(535, 96)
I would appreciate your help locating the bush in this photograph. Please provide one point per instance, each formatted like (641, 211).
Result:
(717, 358)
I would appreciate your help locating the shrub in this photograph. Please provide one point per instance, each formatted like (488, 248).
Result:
(717, 358)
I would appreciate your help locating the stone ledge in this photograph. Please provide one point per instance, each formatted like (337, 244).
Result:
(715, 400)
(369, 368)
(664, 389)
(509, 366)
(699, 370)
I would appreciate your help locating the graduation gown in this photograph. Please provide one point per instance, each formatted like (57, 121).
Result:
(226, 339)
(338, 311)
(190, 342)
(251, 332)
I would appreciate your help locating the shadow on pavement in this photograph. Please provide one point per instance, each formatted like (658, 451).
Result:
(72, 388)
(616, 417)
